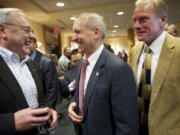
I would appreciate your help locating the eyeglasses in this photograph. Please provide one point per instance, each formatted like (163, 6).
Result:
(27, 29)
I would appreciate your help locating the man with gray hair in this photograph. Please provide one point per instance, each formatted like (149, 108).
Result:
(64, 60)
(21, 88)
(171, 29)
(156, 64)
(105, 101)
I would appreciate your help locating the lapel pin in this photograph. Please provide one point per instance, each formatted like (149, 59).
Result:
(97, 73)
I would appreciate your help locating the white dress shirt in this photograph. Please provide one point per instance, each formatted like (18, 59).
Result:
(22, 74)
(156, 47)
(71, 86)
(92, 61)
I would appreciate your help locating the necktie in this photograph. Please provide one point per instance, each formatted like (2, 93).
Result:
(81, 85)
(144, 92)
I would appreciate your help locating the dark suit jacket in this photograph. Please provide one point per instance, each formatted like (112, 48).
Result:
(12, 98)
(69, 76)
(110, 104)
(50, 77)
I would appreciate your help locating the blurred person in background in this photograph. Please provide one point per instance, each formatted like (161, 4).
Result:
(69, 82)
(171, 29)
(48, 69)
(54, 58)
(64, 60)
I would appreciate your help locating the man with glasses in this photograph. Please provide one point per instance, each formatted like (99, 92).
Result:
(21, 90)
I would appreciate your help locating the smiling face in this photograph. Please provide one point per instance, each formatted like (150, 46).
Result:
(18, 35)
(147, 25)
(84, 37)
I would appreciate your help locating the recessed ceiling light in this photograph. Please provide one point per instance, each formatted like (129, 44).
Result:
(116, 26)
(60, 4)
(113, 31)
(73, 18)
(120, 13)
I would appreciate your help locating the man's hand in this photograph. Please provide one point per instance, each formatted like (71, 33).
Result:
(29, 118)
(72, 114)
(53, 119)
(74, 82)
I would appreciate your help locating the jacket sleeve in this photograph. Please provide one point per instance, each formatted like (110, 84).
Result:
(7, 124)
(51, 83)
(124, 101)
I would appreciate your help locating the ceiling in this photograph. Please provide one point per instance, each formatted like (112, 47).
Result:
(46, 12)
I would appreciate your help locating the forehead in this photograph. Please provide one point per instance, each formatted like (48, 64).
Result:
(76, 57)
(68, 50)
(79, 23)
(19, 19)
(143, 9)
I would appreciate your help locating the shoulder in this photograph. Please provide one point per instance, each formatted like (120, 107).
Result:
(173, 42)
(63, 58)
(115, 68)
(137, 46)
(32, 64)
(44, 58)
(113, 62)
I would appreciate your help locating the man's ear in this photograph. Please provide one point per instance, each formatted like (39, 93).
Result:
(2, 30)
(163, 20)
(97, 32)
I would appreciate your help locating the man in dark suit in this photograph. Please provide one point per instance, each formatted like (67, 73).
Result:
(50, 77)
(110, 104)
(21, 89)
(69, 81)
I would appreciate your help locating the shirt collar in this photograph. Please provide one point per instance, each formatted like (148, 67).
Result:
(94, 57)
(158, 43)
(33, 55)
(10, 56)
(5, 53)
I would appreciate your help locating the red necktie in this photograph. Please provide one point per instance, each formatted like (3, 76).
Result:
(81, 85)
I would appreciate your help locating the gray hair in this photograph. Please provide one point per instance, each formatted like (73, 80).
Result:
(160, 6)
(95, 20)
(174, 28)
(5, 14)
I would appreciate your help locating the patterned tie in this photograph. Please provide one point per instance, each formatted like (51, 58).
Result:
(81, 85)
(144, 92)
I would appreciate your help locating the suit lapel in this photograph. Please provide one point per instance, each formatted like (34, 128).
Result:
(136, 56)
(12, 84)
(164, 63)
(37, 57)
(37, 79)
(78, 79)
(93, 80)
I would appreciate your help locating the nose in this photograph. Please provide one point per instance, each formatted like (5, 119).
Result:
(74, 38)
(31, 35)
(136, 25)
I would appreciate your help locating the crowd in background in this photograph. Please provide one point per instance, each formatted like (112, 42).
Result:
(90, 90)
